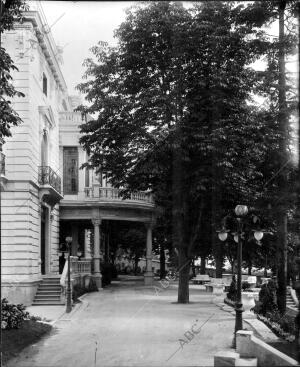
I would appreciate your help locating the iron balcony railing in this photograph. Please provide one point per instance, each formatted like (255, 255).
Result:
(115, 194)
(2, 163)
(48, 177)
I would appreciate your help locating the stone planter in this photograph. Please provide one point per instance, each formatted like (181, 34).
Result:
(248, 300)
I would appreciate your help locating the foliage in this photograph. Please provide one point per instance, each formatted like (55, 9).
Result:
(245, 285)
(128, 240)
(174, 113)
(267, 299)
(283, 327)
(15, 340)
(232, 291)
(12, 316)
(79, 289)
(11, 12)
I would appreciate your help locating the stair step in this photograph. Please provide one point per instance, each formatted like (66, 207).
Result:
(55, 300)
(47, 295)
(48, 292)
(49, 280)
(52, 303)
(42, 296)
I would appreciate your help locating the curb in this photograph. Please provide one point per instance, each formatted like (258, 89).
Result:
(75, 309)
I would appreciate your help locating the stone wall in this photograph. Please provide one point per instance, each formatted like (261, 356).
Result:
(34, 56)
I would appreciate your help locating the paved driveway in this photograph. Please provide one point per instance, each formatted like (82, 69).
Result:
(131, 325)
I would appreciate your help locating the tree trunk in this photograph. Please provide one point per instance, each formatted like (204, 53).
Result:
(219, 264)
(202, 266)
(162, 260)
(217, 248)
(283, 144)
(179, 214)
(184, 272)
(297, 318)
(193, 268)
(282, 263)
(266, 267)
(250, 268)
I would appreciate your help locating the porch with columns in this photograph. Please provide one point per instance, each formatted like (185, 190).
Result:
(95, 224)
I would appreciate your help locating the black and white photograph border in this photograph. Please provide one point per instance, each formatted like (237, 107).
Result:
(149, 183)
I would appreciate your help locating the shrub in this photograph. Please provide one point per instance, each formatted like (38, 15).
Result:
(12, 316)
(284, 327)
(267, 303)
(245, 285)
(114, 273)
(232, 291)
(78, 290)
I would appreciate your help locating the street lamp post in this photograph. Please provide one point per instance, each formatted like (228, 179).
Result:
(239, 305)
(69, 293)
(240, 211)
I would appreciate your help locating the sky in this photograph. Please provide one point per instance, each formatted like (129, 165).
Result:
(80, 25)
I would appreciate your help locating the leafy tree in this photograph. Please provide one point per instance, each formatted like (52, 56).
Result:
(277, 86)
(173, 115)
(10, 11)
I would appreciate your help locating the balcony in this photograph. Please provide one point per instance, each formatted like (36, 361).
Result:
(72, 117)
(110, 193)
(50, 185)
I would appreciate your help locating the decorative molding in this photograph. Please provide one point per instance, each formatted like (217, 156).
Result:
(96, 221)
(33, 47)
(21, 44)
(33, 20)
(47, 113)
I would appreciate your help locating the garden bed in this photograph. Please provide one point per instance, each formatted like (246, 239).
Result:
(288, 348)
(15, 340)
(287, 343)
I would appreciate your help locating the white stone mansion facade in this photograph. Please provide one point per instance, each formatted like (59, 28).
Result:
(44, 193)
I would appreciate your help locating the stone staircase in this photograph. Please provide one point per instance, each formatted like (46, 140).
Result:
(48, 292)
(289, 300)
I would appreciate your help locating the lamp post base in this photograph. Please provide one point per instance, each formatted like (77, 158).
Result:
(238, 320)
(69, 301)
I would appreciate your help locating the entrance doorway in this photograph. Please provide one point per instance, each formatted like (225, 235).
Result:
(44, 221)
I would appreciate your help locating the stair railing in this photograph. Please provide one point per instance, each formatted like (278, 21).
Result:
(62, 282)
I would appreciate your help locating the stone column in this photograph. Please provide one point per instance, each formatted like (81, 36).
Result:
(97, 275)
(87, 248)
(148, 276)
